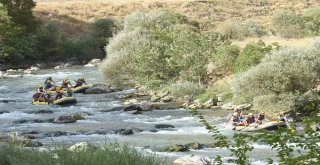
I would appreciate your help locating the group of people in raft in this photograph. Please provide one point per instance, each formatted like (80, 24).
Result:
(238, 120)
(42, 93)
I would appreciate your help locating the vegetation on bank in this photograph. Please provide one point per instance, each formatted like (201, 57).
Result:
(165, 50)
(24, 41)
(106, 155)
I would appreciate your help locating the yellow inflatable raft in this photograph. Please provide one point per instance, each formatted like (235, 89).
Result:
(62, 101)
(271, 125)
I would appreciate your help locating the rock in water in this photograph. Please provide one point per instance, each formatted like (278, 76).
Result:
(177, 148)
(99, 88)
(159, 126)
(64, 119)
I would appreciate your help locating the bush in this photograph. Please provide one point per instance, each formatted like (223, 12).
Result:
(221, 88)
(186, 88)
(159, 47)
(273, 104)
(225, 57)
(251, 56)
(108, 154)
(241, 30)
(288, 24)
(290, 71)
(311, 18)
(47, 38)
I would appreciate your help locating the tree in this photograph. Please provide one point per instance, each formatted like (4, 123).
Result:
(21, 13)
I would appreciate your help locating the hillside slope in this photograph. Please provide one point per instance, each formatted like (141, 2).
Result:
(73, 15)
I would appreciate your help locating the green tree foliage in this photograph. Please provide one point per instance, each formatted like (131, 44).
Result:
(284, 75)
(288, 24)
(47, 38)
(159, 47)
(251, 55)
(21, 13)
(14, 44)
(225, 57)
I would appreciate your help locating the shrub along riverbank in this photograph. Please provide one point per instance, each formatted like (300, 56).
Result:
(165, 50)
(110, 154)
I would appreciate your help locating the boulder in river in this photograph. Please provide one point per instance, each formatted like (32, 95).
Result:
(160, 126)
(99, 88)
(64, 119)
(133, 107)
(195, 146)
(177, 148)
(128, 131)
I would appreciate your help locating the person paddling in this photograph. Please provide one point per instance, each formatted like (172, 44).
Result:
(66, 84)
(237, 119)
(250, 120)
(80, 82)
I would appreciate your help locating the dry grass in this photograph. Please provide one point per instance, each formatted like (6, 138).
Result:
(74, 14)
(294, 43)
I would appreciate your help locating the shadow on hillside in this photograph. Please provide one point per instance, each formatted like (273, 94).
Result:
(71, 26)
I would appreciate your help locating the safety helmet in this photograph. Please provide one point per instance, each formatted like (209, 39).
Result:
(236, 113)
(250, 114)
(82, 78)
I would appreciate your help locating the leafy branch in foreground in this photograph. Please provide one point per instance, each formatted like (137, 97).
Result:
(292, 147)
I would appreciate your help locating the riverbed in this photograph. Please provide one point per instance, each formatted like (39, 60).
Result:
(17, 114)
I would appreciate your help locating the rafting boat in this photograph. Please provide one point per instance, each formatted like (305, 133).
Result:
(62, 101)
(80, 89)
(270, 126)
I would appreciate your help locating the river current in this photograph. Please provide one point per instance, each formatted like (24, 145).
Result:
(17, 114)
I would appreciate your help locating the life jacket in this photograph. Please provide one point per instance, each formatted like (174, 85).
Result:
(236, 119)
(79, 83)
(250, 120)
(261, 117)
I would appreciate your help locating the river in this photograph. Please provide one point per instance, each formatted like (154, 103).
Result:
(17, 114)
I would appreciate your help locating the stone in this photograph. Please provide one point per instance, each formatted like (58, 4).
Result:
(193, 160)
(77, 117)
(64, 119)
(195, 146)
(125, 131)
(211, 102)
(33, 68)
(228, 106)
(159, 126)
(12, 70)
(177, 148)
(2, 112)
(89, 65)
(155, 98)
(99, 88)
(242, 107)
(130, 102)
(163, 94)
(166, 99)
(133, 107)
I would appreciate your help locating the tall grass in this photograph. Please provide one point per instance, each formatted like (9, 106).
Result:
(106, 155)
